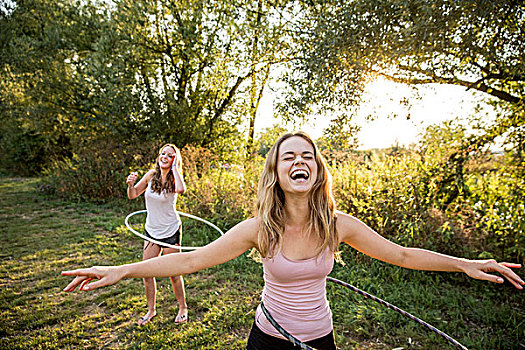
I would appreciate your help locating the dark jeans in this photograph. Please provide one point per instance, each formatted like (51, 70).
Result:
(258, 340)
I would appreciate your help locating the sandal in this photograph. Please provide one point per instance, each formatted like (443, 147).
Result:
(181, 318)
(144, 320)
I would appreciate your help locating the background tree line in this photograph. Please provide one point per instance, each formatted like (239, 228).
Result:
(90, 89)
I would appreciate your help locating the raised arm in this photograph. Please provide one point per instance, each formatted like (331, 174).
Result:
(135, 190)
(229, 246)
(180, 185)
(361, 237)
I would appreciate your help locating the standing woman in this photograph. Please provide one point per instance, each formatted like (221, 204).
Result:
(160, 186)
(297, 231)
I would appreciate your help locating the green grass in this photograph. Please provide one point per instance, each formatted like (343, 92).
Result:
(42, 236)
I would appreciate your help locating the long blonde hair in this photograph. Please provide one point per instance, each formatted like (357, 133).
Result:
(270, 204)
(156, 179)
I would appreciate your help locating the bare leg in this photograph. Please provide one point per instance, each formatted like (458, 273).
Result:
(150, 251)
(177, 282)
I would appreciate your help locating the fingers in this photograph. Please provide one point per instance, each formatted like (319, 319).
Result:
(510, 275)
(505, 270)
(512, 265)
(82, 277)
(132, 177)
(73, 272)
(73, 285)
(489, 277)
(102, 276)
(97, 284)
(83, 284)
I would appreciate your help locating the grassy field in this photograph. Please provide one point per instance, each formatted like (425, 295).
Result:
(42, 236)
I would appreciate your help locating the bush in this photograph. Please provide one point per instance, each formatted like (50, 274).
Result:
(496, 212)
(388, 191)
(97, 171)
(394, 191)
(27, 154)
(221, 192)
(398, 195)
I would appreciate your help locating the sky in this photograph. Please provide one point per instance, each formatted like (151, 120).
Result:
(437, 103)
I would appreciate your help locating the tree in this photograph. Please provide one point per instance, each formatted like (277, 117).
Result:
(476, 44)
(444, 156)
(267, 138)
(202, 64)
(136, 71)
(338, 142)
(37, 37)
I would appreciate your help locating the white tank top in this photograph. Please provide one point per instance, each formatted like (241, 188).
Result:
(162, 220)
(295, 295)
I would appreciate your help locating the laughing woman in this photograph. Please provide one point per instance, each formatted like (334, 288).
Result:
(297, 231)
(160, 186)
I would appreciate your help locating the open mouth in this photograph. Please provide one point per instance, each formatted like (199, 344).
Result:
(300, 174)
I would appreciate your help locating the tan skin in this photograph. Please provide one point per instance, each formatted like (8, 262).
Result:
(166, 161)
(294, 154)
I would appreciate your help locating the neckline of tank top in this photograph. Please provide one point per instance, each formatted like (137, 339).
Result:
(298, 261)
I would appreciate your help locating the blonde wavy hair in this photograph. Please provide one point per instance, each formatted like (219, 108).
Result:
(270, 204)
(156, 179)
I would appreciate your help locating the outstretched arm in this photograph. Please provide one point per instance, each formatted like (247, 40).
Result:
(229, 246)
(361, 237)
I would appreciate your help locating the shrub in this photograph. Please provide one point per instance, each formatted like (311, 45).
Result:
(97, 170)
(219, 191)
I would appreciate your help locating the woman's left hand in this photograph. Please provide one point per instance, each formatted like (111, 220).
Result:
(478, 269)
(104, 276)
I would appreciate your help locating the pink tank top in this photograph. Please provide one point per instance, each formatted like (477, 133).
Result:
(295, 295)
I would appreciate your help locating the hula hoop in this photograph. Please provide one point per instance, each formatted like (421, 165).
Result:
(126, 221)
(304, 346)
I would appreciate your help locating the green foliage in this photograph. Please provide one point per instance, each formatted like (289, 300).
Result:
(267, 138)
(338, 141)
(27, 151)
(498, 212)
(385, 190)
(98, 170)
(433, 196)
(135, 71)
(475, 44)
(444, 155)
(480, 190)
(439, 195)
(218, 190)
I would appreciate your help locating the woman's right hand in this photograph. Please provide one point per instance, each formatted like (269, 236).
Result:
(105, 276)
(132, 178)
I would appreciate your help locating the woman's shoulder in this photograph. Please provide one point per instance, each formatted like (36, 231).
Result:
(249, 228)
(251, 224)
(346, 224)
(343, 217)
(149, 175)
